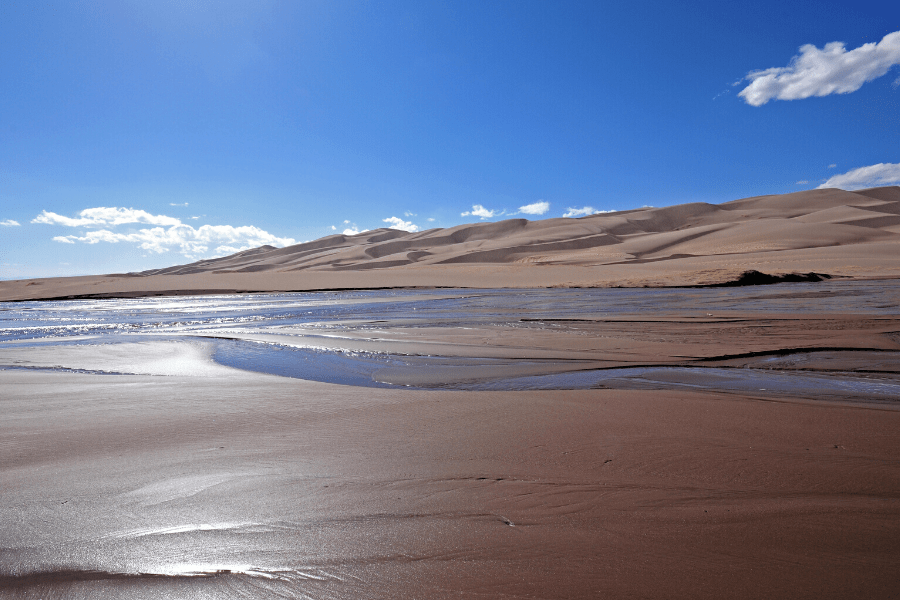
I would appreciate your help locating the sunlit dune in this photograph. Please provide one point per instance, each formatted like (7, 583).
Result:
(831, 231)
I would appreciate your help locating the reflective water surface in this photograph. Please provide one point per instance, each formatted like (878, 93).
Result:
(198, 480)
(352, 338)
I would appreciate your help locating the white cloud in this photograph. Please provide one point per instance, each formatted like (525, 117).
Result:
(583, 212)
(100, 216)
(353, 229)
(226, 250)
(9, 223)
(398, 223)
(831, 70)
(176, 204)
(188, 240)
(333, 228)
(480, 211)
(430, 220)
(409, 214)
(865, 177)
(832, 165)
(537, 208)
(802, 182)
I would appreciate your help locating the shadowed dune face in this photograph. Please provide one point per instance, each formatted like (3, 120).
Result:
(815, 218)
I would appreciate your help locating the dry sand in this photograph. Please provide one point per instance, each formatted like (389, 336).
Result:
(843, 234)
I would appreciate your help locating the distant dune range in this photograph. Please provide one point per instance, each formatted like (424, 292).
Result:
(829, 231)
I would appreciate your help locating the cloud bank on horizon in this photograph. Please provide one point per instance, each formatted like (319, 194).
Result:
(541, 207)
(481, 212)
(831, 70)
(538, 208)
(398, 223)
(878, 175)
(102, 215)
(170, 233)
(574, 213)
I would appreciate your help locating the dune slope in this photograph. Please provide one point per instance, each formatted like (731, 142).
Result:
(845, 234)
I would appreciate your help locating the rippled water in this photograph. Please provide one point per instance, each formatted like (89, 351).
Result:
(214, 319)
(246, 487)
(30, 320)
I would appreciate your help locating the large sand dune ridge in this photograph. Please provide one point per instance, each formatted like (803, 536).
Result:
(841, 233)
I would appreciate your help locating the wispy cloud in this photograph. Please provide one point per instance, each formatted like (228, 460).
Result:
(896, 83)
(398, 223)
(583, 212)
(831, 70)
(173, 234)
(538, 208)
(105, 216)
(176, 204)
(9, 223)
(832, 165)
(409, 213)
(865, 177)
(802, 182)
(480, 211)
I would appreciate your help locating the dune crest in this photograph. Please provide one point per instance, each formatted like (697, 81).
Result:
(815, 218)
(831, 231)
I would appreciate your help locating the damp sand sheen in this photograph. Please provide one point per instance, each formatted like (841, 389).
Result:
(469, 443)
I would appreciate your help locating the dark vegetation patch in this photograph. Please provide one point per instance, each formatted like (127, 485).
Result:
(754, 277)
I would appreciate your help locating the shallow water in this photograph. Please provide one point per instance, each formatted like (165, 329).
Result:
(245, 487)
(335, 325)
(33, 320)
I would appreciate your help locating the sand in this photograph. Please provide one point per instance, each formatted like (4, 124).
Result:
(340, 492)
(831, 231)
(185, 478)
(193, 479)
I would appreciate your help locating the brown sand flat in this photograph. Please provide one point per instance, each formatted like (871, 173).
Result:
(840, 233)
(344, 492)
(186, 478)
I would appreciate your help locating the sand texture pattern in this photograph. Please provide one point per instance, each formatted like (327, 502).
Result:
(830, 231)
(267, 487)
(134, 465)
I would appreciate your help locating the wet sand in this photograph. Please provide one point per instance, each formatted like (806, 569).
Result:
(144, 486)
(171, 475)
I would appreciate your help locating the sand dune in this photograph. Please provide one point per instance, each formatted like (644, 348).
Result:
(844, 234)
(803, 220)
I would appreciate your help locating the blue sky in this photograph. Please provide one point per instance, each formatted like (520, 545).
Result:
(136, 135)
